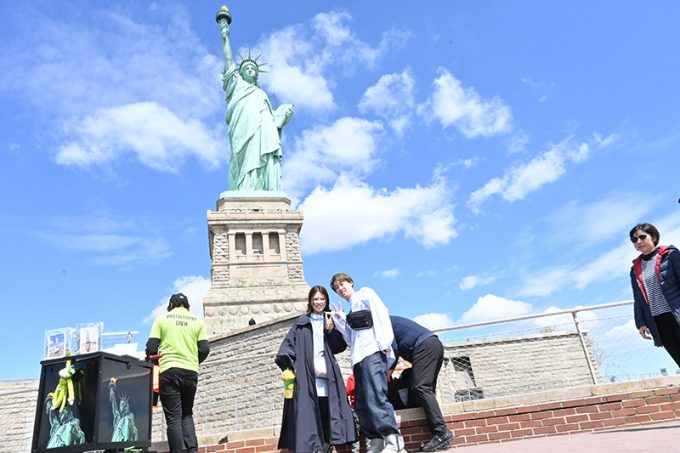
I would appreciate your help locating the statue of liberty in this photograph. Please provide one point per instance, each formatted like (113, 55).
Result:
(254, 127)
(124, 428)
(64, 427)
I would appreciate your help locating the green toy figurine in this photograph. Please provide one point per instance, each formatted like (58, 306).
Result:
(64, 391)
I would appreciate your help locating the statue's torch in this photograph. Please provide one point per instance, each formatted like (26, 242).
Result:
(223, 13)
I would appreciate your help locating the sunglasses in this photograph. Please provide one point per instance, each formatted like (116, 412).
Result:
(634, 239)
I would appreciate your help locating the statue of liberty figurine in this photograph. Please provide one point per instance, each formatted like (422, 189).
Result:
(254, 126)
(124, 428)
(64, 427)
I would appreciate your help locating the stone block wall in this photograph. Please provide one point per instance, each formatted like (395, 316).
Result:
(17, 415)
(515, 365)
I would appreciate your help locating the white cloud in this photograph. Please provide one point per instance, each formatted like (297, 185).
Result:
(588, 223)
(107, 241)
(392, 99)
(434, 320)
(195, 287)
(390, 274)
(524, 178)
(119, 61)
(491, 307)
(121, 86)
(320, 154)
(301, 56)
(469, 162)
(295, 74)
(454, 105)
(624, 334)
(595, 223)
(545, 281)
(154, 135)
(518, 143)
(352, 212)
(428, 273)
(471, 281)
(539, 88)
(617, 261)
(609, 266)
(343, 45)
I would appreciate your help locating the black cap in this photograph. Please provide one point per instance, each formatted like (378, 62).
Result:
(179, 299)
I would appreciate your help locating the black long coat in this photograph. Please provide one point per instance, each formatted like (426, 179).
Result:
(301, 429)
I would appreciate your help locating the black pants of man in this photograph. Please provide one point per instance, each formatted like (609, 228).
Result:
(669, 332)
(427, 361)
(177, 392)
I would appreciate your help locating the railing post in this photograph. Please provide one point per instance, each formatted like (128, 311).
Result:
(585, 348)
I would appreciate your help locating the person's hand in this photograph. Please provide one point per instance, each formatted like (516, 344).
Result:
(644, 332)
(337, 310)
(329, 320)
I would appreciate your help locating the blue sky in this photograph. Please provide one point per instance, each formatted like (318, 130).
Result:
(467, 160)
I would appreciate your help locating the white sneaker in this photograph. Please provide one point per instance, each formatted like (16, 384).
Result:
(394, 443)
(376, 445)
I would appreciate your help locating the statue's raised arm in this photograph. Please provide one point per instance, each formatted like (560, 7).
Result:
(254, 126)
(223, 18)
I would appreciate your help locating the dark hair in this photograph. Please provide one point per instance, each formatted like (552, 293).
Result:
(340, 277)
(178, 300)
(647, 228)
(312, 293)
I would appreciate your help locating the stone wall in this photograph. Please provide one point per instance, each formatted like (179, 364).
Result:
(17, 415)
(515, 365)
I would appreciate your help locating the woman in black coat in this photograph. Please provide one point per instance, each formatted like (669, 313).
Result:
(655, 277)
(318, 415)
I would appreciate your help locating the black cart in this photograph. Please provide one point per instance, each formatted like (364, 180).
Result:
(112, 408)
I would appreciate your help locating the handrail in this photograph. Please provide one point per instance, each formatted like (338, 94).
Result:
(570, 311)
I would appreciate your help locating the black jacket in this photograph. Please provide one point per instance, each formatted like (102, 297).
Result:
(301, 429)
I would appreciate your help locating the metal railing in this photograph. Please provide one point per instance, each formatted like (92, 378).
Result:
(557, 349)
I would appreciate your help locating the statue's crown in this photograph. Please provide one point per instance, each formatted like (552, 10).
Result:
(251, 60)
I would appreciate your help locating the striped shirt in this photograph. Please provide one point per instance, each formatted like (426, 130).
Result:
(657, 303)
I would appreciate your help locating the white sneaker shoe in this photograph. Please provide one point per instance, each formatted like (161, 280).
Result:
(376, 445)
(394, 443)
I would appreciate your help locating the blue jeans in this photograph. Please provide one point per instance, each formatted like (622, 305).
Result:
(376, 414)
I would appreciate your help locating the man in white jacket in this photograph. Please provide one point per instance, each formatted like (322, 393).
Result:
(368, 332)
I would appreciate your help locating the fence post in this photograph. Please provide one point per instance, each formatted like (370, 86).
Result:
(585, 348)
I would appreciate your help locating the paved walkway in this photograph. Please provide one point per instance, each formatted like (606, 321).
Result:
(660, 437)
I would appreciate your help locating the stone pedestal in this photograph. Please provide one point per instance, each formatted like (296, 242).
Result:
(256, 261)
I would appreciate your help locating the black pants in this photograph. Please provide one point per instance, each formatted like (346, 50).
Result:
(669, 331)
(177, 392)
(427, 361)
